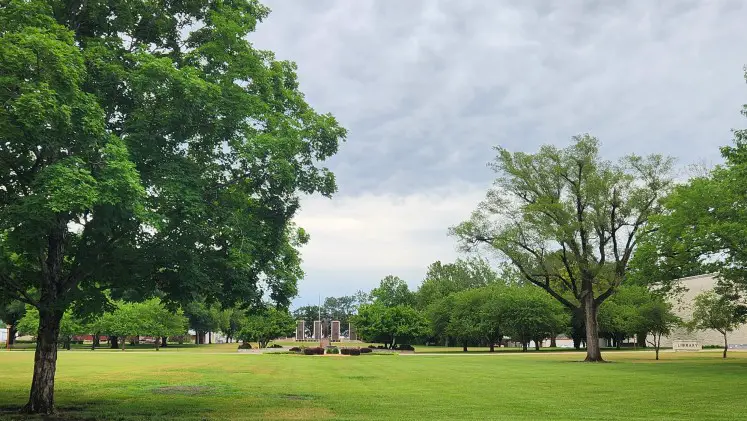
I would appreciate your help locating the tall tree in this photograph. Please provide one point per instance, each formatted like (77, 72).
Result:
(569, 220)
(392, 291)
(704, 225)
(148, 143)
(444, 279)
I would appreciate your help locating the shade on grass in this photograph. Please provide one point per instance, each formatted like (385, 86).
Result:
(189, 385)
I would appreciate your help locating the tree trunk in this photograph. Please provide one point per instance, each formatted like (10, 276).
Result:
(12, 331)
(553, 342)
(157, 341)
(524, 346)
(536, 345)
(41, 397)
(656, 349)
(641, 340)
(210, 337)
(618, 340)
(464, 347)
(726, 345)
(593, 351)
(164, 344)
(67, 343)
(124, 341)
(96, 341)
(113, 342)
(492, 346)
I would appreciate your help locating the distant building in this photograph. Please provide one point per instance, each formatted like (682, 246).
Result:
(694, 285)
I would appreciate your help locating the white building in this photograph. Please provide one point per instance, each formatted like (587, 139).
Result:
(682, 305)
(3, 335)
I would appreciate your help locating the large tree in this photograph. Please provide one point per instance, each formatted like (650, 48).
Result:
(704, 225)
(266, 325)
(389, 324)
(569, 220)
(719, 313)
(392, 291)
(444, 279)
(147, 143)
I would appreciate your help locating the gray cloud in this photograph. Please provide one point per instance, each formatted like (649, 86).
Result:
(426, 88)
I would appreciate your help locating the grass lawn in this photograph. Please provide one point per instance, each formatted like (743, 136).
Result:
(183, 384)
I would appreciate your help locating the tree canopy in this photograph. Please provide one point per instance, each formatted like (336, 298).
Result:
(149, 144)
(569, 220)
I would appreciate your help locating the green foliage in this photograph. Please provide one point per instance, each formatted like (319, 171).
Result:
(148, 318)
(704, 228)
(528, 313)
(392, 291)
(70, 325)
(719, 313)
(477, 315)
(569, 220)
(444, 279)
(389, 324)
(620, 317)
(267, 325)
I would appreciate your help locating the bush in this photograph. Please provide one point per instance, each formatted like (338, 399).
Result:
(295, 349)
(245, 345)
(365, 350)
(317, 350)
(333, 350)
(405, 347)
(275, 346)
(713, 347)
(372, 346)
(351, 351)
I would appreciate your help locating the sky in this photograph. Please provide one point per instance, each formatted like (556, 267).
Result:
(426, 89)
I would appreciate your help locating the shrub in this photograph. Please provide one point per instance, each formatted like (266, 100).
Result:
(295, 349)
(317, 350)
(351, 351)
(365, 350)
(405, 347)
(245, 345)
(372, 346)
(275, 346)
(333, 350)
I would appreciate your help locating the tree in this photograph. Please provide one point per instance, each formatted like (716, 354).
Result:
(477, 315)
(392, 291)
(658, 320)
(620, 316)
(11, 313)
(231, 321)
(444, 279)
(529, 314)
(389, 324)
(438, 314)
(569, 221)
(70, 325)
(267, 325)
(721, 314)
(149, 143)
(202, 318)
(704, 224)
(340, 308)
(158, 322)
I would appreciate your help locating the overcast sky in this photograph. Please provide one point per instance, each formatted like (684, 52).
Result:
(426, 88)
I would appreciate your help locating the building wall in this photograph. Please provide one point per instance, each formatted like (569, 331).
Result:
(682, 304)
(3, 335)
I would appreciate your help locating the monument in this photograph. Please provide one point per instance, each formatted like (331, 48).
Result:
(335, 334)
(352, 334)
(317, 330)
(300, 330)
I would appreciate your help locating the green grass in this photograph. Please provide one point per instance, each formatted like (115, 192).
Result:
(189, 385)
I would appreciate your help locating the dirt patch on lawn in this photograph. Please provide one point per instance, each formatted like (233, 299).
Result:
(299, 414)
(183, 390)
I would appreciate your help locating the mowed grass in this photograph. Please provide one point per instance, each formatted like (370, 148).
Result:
(217, 386)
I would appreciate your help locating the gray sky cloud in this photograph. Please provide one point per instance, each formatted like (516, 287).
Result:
(426, 88)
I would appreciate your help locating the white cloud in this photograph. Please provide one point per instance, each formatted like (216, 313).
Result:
(357, 240)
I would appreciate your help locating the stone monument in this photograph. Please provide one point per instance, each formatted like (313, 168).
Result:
(335, 334)
(300, 330)
(352, 334)
(317, 330)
